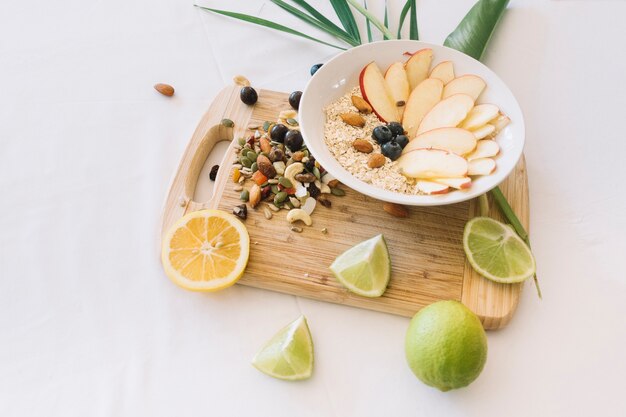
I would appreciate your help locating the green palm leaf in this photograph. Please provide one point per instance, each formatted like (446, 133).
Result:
(346, 18)
(267, 23)
(368, 24)
(369, 16)
(403, 13)
(314, 22)
(472, 35)
(385, 21)
(317, 15)
(413, 34)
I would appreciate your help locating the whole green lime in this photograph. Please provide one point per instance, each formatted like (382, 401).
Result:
(446, 345)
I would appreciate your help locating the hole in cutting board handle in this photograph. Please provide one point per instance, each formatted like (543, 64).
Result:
(211, 151)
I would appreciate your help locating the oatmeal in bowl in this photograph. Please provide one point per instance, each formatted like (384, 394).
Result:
(436, 127)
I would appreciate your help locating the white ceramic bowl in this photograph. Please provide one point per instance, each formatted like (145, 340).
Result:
(341, 74)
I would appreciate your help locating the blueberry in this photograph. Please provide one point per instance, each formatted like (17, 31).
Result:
(314, 68)
(293, 140)
(401, 140)
(391, 150)
(278, 132)
(396, 128)
(294, 99)
(248, 95)
(382, 134)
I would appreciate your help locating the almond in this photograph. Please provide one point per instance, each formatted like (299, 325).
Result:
(165, 89)
(376, 160)
(363, 145)
(265, 166)
(255, 195)
(265, 145)
(361, 105)
(396, 210)
(353, 119)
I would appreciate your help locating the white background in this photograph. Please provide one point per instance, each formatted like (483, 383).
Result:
(90, 325)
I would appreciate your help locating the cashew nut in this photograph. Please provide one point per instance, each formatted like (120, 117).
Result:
(298, 214)
(292, 170)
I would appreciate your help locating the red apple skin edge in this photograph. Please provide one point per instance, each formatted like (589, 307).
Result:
(410, 54)
(361, 75)
(446, 191)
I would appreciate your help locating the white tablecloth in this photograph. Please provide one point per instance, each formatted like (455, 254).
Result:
(90, 325)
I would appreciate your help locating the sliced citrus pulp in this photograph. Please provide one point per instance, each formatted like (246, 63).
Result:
(365, 268)
(289, 354)
(205, 250)
(496, 252)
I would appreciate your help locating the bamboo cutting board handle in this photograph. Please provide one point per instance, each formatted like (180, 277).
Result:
(209, 132)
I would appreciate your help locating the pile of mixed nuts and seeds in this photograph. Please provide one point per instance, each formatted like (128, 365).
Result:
(281, 171)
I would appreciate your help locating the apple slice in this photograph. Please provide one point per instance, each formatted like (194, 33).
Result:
(443, 71)
(377, 93)
(430, 187)
(452, 139)
(398, 84)
(500, 122)
(484, 149)
(472, 85)
(484, 131)
(417, 66)
(458, 183)
(480, 115)
(448, 112)
(432, 163)
(422, 99)
(482, 166)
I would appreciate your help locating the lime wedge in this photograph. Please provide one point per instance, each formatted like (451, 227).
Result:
(289, 354)
(496, 251)
(365, 268)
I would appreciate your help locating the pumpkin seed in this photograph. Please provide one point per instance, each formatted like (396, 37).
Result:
(227, 123)
(337, 191)
(316, 172)
(280, 197)
(292, 122)
(275, 189)
(245, 195)
(245, 161)
(285, 182)
(266, 126)
(251, 155)
(241, 141)
(254, 167)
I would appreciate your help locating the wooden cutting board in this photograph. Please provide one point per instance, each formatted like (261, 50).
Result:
(428, 262)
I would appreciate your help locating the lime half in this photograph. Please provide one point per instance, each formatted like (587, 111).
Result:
(289, 354)
(365, 268)
(496, 251)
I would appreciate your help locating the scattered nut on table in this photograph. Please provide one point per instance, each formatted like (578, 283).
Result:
(295, 215)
